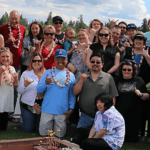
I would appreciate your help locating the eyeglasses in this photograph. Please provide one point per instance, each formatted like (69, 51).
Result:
(58, 23)
(122, 27)
(127, 69)
(34, 61)
(93, 62)
(81, 28)
(71, 37)
(140, 38)
(131, 61)
(101, 35)
(51, 34)
(63, 58)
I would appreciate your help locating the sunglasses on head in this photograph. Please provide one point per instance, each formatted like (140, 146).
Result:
(123, 27)
(81, 28)
(101, 35)
(93, 62)
(58, 23)
(34, 61)
(126, 70)
(51, 34)
(132, 26)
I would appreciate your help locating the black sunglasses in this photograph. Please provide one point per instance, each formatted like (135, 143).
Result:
(97, 62)
(73, 37)
(126, 70)
(58, 23)
(51, 34)
(123, 27)
(34, 61)
(101, 35)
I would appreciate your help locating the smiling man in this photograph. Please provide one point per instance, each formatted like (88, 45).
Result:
(13, 36)
(58, 24)
(59, 101)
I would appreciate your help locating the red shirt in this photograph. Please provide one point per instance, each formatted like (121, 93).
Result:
(15, 51)
(50, 62)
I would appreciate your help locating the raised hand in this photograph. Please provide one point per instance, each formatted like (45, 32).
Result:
(48, 80)
(37, 42)
(27, 81)
(32, 49)
(127, 44)
(2, 69)
(112, 22)
(93, 31)
(145, 52)
(83, 76)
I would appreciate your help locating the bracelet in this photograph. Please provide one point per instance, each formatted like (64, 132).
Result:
(141, 95)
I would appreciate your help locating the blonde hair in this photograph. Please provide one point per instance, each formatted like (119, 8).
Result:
(47, 27)
(6, 49)
(69, 30)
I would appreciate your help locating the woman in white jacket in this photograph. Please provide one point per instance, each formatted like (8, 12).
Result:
(30, 100)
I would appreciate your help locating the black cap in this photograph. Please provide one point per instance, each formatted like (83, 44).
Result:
(122, 22)
(57, 18)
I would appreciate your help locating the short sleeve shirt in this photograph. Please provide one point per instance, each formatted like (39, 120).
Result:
(104, 84)
(112, 121)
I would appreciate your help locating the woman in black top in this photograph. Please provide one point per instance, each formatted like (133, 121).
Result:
(132, 91)
(105, 45)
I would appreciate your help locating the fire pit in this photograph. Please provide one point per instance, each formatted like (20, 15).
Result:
(40, 143)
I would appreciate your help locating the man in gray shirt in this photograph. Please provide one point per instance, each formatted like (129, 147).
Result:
(89, 86)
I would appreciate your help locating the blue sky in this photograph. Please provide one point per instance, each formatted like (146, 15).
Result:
(130, 11)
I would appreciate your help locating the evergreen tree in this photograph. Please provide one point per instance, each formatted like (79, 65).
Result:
(144, 26)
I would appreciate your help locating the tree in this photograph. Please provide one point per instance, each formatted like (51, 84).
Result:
(144, 26)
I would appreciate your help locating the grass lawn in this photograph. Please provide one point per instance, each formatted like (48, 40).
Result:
(17, 133)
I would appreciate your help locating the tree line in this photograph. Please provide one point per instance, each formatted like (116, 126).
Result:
(72, 24)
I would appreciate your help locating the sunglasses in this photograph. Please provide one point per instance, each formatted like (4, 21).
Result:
(97, 62)
(34, 61)
(101, 35)
(51, 34)
(123, 27)
(58, 23)
(71, 37)
(81, 28)
(126, 70)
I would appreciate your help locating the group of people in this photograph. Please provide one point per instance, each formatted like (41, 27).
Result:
(103, 75)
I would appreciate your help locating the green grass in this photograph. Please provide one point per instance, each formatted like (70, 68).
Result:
(17, 133)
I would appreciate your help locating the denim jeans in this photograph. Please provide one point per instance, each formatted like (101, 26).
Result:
(30, 121)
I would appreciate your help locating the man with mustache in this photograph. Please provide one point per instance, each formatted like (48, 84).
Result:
(89, 86)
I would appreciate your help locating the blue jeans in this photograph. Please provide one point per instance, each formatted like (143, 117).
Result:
(30, 120)
(85, 121)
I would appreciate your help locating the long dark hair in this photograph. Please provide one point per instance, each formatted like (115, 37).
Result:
(39, 36)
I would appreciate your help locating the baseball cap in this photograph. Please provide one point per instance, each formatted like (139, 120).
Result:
(57, 18)
(61, 53)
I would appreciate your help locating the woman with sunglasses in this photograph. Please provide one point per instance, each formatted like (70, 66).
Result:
(30, 100)
(105, 45)
(48, 47)
(132, 91)
(142, 59)
(94, 26)
(36, 33)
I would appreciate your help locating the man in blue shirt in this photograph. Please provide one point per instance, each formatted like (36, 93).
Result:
(59, 100)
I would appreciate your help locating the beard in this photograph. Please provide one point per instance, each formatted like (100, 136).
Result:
(95, 68)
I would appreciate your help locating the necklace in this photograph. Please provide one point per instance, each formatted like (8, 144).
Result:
(141, 60)
(19, 36)
(60, 40)
(117, 42)
(12, 76)
(67, 80)
(48, 56)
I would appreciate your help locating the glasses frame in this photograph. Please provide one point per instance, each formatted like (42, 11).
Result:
(97, 62)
